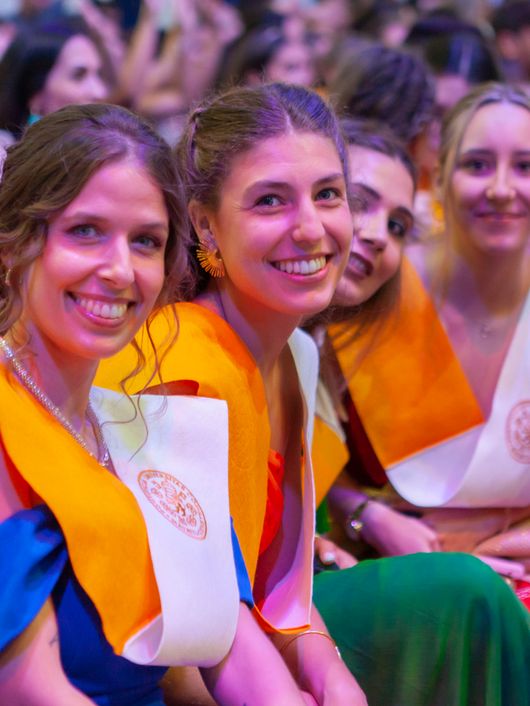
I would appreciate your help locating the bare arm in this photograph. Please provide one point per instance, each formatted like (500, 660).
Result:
(31, 672)
(253, 673)
(318, 669)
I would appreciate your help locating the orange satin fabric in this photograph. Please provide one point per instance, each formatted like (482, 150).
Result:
(103, 526)
(409, 389)
(208, 351)
(329, 455)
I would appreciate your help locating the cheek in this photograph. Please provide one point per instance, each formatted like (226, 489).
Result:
(150, 281)
(392, 260)
(344, 234)
(465, 192)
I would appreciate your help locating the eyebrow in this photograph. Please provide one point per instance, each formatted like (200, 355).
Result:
(271, 184)
(95, 218)
(484, 151)
(376, 196)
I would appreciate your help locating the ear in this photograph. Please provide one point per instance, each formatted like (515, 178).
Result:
(201, 220)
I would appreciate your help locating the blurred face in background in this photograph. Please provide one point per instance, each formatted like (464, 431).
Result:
(75, 79)
(488, 199)
(292, 63)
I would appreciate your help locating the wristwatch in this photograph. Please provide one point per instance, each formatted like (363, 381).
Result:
(354, 524)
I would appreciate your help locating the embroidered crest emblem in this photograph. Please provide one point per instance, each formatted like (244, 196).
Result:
(174, 501)
(518, 432)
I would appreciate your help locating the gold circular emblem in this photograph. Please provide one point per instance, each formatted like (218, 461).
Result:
(518, 432)
(175, 502)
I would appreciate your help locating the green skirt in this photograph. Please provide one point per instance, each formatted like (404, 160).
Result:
(429, 630)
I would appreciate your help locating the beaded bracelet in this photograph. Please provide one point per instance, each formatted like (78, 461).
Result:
(310, 632)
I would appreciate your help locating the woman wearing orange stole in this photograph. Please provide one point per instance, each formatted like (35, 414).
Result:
(98, 518)
(265, 173)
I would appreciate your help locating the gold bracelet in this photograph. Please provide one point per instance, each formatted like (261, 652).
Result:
(310, 632)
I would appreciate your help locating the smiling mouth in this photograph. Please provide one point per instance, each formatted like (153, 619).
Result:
(358, 265)
(105, 310)
(301, 267)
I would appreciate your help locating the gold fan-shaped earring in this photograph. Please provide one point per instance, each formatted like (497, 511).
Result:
(210, 260)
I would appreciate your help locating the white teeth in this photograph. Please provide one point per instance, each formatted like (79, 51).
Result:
(358, 264)
(103, 309)
(301, 267)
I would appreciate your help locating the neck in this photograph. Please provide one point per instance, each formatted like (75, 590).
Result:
(497, 283)
(65, 379)
(264, 332)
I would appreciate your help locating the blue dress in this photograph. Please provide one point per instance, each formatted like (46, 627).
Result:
(34, 565)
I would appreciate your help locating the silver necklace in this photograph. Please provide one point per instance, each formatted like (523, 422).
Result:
(103, 456)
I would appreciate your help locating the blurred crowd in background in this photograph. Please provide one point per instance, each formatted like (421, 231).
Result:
(402, 62)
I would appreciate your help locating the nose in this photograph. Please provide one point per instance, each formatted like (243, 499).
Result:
(372, 231)
(500, 187)
(96, 88)
(309, 227)
(117, 268)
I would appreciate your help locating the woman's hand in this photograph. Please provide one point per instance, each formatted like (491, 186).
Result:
(329, 553)
(392, 533)
(342, 690)
(318, 668)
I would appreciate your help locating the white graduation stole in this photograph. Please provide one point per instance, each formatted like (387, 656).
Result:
(176, 465)
(489, 465)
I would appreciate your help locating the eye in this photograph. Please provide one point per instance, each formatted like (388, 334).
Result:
(476, 165)
(523, 166)
(84, 231)
(397, 227)
(147, 241)
(269, 201)
(79, 73)
(329, 194)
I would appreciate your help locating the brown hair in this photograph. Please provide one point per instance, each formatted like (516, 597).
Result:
(234, 122)
(386, 84)
(49, 167)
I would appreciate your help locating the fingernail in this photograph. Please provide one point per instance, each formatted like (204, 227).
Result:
(328, 557)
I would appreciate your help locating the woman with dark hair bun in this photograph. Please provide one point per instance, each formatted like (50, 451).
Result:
(390, 85)
(265, 173)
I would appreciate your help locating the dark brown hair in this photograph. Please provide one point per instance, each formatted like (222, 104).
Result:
(237, 120)
(385, 84)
